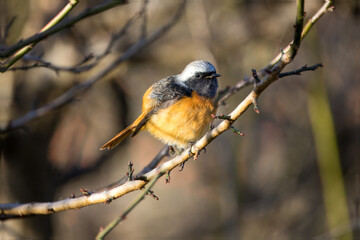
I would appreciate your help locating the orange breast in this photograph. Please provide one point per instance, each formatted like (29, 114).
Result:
(183, 122)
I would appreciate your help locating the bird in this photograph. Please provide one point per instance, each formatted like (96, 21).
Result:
(177, 110)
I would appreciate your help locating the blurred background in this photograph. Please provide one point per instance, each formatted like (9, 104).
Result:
(294, 175)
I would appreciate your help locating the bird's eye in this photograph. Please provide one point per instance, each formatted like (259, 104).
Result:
(197, 75)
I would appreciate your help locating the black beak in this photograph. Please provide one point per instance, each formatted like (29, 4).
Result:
(214, 75)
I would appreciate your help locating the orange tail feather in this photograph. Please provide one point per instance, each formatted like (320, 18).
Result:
(119, 137)
(124, 133)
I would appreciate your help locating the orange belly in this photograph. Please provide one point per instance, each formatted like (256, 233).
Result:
(183, 122)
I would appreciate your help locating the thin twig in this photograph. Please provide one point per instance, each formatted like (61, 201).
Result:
(71, 93)
(144, 21)
(130, 171)
(227, 93)
(6, 33)
(327, 6)
(40, 63)
(300, 70)
(119, 219)
(153, 163)
(56, 28)
(83, 65)
(58, 18)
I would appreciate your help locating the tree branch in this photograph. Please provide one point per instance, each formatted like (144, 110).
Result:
(71, 93)
(327, 6)
(58, 18)
(4, 36)
(88, 62)
(79, 201)
(157, 159)
(227, 93)
(300, 70)
(116, 221)
(24, 46)
(270, 75)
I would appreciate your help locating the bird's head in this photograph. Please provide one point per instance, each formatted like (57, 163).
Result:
(201, 77)
(197, 70)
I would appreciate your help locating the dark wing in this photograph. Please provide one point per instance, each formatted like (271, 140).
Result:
(165, 93)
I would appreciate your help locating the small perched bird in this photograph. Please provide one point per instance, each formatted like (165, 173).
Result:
(177, 110)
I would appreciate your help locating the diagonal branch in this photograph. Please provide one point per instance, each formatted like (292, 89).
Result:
(88, 62)
(122, 217)
(326, 7)
(271, 75)
(162, 153)
(58, 18)
(4, 35)
(24, 46)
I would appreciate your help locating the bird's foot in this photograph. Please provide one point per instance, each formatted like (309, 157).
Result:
(171, 151)
(182, 165)
(222, 116)
(174, 151)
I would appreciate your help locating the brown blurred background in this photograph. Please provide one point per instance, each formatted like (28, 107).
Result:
(294, 175)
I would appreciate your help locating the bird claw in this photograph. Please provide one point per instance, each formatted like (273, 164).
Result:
(182, 165)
